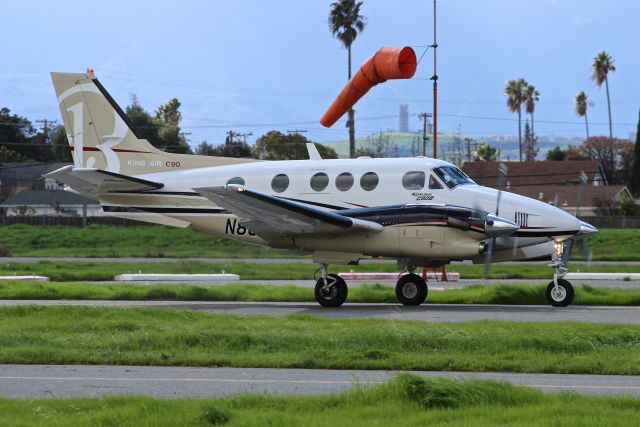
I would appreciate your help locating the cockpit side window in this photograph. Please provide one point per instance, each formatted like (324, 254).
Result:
(434, 184)
(452, 176)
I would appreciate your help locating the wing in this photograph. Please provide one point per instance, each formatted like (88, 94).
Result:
(274, 218)
(94, 182)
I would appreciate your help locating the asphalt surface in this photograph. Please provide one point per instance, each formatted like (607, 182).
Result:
(58, 381)
(426, 312)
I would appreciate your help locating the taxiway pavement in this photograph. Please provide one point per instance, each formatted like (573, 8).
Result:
(57, 381)
(425, 312)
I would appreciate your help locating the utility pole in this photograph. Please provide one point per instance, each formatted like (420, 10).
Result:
(425, 138)
(233, 134)
(468, 141)
(47, 125)
(435, 87)
(245, 135)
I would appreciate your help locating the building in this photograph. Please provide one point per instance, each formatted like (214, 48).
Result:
(579, 201)
(17, 177)
(540, 173)
(50, 203)
(559, 183)
(403, 118)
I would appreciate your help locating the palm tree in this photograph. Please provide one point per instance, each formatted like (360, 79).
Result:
(345, 22)
(582, 103)
(514, 91)
(602, 64)
(531, 96)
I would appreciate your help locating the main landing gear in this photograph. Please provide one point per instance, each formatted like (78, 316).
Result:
(331, 290)
(559, 291)
(411, 289)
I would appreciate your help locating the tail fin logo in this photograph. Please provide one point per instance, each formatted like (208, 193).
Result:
(76, 138)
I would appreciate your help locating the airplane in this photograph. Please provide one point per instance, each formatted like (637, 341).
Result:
(421, 211)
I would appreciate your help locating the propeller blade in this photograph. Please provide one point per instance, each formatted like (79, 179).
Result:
(585, 251)
(568, 247)
(487, 259)
(502, 174)
(583, 183)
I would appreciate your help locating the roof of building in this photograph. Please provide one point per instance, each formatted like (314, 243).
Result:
(568, 194)
(544, 172)
(44, 197)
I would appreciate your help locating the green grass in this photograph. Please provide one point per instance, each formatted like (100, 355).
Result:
(478, 294)
(112, 241)
(100, 271)
(83, 335)
(406, 400)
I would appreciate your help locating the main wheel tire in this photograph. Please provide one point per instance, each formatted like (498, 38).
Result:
(335, 294)
(411, 289)
(561, 297)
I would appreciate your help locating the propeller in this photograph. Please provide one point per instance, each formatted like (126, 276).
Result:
(502, 173)
(582, 244)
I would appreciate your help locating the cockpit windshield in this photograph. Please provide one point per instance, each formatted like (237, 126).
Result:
(452, 176)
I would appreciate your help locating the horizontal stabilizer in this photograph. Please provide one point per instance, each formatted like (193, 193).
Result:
(95, 182)
(273, 218)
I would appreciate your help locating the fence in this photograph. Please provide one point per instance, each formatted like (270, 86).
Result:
(613, 221)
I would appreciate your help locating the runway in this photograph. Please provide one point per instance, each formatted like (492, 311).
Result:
(426, 312)
(57, 381)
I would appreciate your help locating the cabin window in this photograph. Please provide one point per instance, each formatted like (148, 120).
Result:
(319, 181)
(369, 181)
(236, 181)
(279, 183)
(434, 184)
(344, 181)
(413, 180)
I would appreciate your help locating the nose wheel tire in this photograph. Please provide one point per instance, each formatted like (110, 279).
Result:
(334, 294)
(562, 296)
(411, 289)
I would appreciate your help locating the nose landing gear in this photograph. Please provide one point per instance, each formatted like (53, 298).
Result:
(560, 292)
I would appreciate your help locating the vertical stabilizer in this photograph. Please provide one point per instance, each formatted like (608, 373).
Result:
(102, 137)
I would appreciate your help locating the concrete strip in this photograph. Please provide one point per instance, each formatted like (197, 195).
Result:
(603, 276)
(141, 277)
(447, 277)
(26, 278)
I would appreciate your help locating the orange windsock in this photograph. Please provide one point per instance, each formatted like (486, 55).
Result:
(387, 63)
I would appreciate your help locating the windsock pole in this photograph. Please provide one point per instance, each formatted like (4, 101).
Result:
(435, 87)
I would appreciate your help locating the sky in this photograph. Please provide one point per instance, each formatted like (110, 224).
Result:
(253, 66)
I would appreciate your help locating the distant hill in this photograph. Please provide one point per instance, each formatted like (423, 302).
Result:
(396, 144)
(451, 147)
